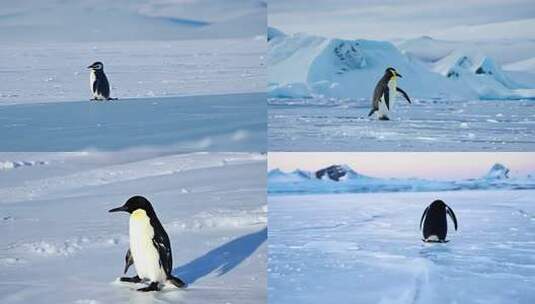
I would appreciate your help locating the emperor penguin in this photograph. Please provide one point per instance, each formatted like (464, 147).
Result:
(384, 94)
(150, 249)
(98, 82)
(435, 225)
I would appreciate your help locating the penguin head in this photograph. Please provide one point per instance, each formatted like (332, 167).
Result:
(437, 204)
(134, 203)
(96, 66)
(391, 72)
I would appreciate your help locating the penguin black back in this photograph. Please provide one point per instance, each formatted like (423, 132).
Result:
(435, 225)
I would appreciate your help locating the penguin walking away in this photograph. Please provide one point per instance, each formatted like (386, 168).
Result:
(98, 82)
(384, 94)
(150, 249)
(435, 225)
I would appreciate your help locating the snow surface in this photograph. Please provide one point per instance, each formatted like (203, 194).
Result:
(234, 122)
(366, 248)
(331, 124)
(52, 72)
(60, 245)
(189, 75)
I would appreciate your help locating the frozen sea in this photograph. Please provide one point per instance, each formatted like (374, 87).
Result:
(59, 244)
(367, 248)
(342, 125)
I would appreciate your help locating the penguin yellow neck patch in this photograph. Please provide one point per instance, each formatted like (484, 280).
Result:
(139, 214)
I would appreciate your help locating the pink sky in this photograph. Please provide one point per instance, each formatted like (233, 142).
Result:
(434, 165)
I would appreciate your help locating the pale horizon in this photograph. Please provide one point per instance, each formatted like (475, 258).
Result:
(434, 165)
(391, 20)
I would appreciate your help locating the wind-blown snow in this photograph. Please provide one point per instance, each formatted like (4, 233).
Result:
(60, 245)
(367, 248)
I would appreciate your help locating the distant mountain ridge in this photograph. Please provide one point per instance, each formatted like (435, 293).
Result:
(302, 65)
(342, 178)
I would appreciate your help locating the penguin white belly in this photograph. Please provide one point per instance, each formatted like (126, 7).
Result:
(385, 111)
(432, 238)
(92, 79)
(145, 255)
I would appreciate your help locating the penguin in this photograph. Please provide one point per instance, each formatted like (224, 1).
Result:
(435, 225)
(384, 94)
(150, 249)
(98, 82)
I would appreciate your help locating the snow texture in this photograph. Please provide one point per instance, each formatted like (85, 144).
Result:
(367, 248)
(54, 72)
(330, 124)
(60, 245)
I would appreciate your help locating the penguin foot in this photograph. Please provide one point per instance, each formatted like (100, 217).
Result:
(135, 279)
(152, 287)
(384, 118)
(176, 281)
(435, 241)
(112, 98)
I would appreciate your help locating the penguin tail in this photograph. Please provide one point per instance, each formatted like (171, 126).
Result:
(176, 281)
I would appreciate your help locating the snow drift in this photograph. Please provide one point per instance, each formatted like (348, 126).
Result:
(350, 69)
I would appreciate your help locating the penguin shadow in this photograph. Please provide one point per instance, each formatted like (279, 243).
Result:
(221, 259)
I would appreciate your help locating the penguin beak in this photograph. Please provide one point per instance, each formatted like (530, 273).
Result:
(399, 75)
(90, 67)
(122, 208)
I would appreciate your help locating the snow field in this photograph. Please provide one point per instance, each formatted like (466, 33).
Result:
(366, 248)
(61, 245)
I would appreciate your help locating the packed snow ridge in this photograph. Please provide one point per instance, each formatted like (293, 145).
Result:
(302, 65)
(7, 165)
(343, 179)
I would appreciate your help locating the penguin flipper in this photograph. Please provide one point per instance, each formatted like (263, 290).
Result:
(386, 96)
(128, 260)
(404, 94)
(135, 279)
(423, 215)
(95, 86)
(163, 246)
(371, 112)
(452, 215)
(176, 281)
